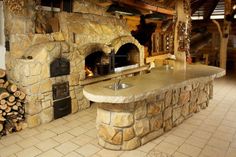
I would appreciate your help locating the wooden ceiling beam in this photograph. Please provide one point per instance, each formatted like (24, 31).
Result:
(144, 6)
(105, 3)
(196, 4)
(211, 5)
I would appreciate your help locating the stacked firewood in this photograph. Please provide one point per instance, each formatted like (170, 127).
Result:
(11, 106)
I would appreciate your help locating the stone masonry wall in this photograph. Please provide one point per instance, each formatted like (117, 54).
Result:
(128, 126)
(33, 77)
(31, 54)
(89, 7)
(84, 30)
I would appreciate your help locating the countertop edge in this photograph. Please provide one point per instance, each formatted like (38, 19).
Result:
(132, 98)
(137, 97)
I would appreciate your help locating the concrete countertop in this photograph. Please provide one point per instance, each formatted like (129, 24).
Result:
(157, 81)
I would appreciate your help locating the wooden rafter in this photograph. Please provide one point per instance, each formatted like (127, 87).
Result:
(104, 3)
(196, 4)
(211, 5)
(144, 6)
(153, 2)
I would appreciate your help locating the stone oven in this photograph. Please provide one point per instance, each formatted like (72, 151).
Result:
(49, 68)
(99, 63)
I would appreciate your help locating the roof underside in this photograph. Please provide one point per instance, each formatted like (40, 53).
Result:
(200, 8)
(207, 8)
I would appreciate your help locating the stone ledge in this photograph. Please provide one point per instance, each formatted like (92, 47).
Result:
(156, 82)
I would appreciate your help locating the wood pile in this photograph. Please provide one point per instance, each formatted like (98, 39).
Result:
(11, 106)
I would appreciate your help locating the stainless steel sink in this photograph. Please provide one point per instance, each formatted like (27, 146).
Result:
(119, 86)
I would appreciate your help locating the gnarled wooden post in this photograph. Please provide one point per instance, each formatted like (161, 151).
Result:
(182, 31)
(224, 34)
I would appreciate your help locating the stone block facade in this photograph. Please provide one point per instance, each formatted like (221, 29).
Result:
(130, 125)
(30, 56)
(33, 77)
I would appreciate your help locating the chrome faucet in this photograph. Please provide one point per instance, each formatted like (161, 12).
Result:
(117, 84)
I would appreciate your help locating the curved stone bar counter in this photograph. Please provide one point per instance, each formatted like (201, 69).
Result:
(154, 104)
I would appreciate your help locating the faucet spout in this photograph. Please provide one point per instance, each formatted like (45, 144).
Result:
(117, 84)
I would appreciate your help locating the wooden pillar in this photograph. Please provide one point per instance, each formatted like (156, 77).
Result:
(182, 26)
(224, 34)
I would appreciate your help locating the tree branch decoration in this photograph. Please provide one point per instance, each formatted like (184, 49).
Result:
(15, 6)
(182, 36)
(187, 7)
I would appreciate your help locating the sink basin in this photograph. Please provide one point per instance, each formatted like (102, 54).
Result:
(119, 86)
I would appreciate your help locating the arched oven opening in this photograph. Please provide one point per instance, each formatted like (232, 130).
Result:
(98, 64)
(127, 57)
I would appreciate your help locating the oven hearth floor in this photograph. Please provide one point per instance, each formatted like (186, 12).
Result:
(209, 133)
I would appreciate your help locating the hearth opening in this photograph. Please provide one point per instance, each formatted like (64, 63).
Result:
(127, 55)
(97, 64)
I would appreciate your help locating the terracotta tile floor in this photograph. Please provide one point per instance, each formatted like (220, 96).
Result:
(209, 133)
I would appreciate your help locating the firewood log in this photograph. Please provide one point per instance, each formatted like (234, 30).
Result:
(18, 104)
(2, 73)
(15, 112)
(3, 93)
(1, 126)
(2, 81)
(22, 95)
(16, 93)
(8, 109)
(3, 101)
(11, 106)
(6, 84)
(3, 107)
(10, 113)
(2, 119)
(11, 103)
(11, 88)
(4, 113)
(11, 98)
(15, 107)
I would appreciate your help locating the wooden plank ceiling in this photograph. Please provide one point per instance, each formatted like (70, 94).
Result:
(207, 8)
(200, 8)
(145, 6)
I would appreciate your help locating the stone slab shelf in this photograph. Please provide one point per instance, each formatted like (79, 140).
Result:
(157, 102)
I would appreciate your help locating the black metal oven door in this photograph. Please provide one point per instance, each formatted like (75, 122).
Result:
(60, 90)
